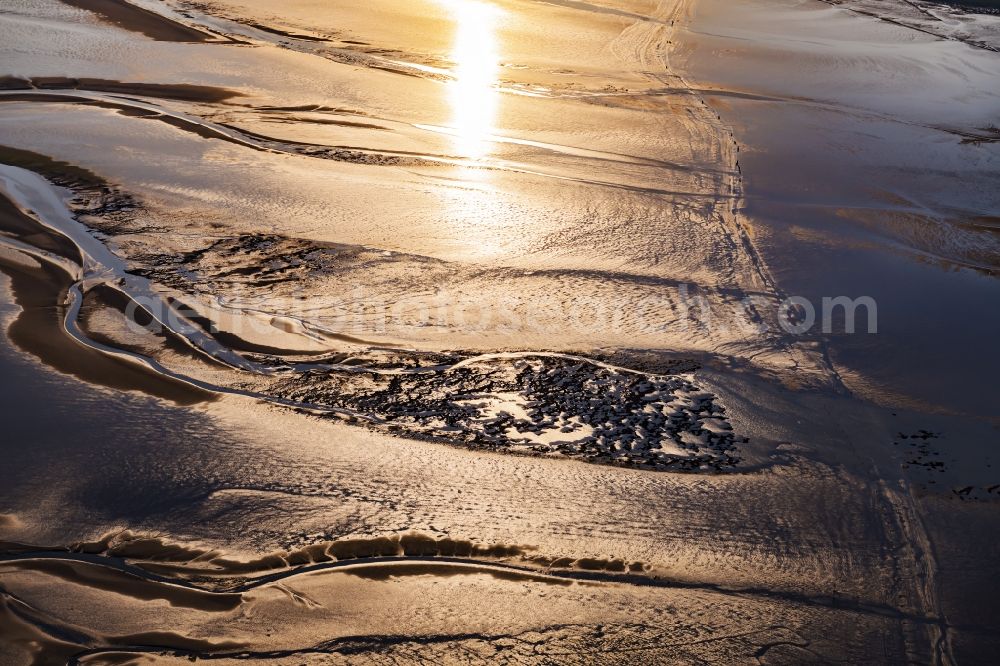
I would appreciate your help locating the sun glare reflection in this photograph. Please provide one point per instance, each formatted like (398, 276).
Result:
(473, 94)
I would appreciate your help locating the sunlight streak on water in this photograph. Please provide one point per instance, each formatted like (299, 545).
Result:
(473, 95)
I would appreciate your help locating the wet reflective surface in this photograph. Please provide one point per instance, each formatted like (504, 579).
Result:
(473, 93)
(457, 330)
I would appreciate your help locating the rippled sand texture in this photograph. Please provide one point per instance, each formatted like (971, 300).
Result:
(375, 248)
(294, 206)
(424, 148)
(351, 613)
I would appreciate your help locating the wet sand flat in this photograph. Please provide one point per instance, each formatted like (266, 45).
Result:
(458, 331)
(882, 176)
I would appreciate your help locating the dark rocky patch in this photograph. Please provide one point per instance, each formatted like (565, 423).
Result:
(541, 405)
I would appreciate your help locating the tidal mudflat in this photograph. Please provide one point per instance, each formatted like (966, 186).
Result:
(517, 331)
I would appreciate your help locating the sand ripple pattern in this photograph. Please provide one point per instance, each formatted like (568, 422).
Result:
(528, 402)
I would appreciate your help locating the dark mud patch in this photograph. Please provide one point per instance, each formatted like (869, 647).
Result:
(984, 6)
(286, 33)
(648, 361)
(252, 259)
(313, 108)
(61, 173)
(336, 153)
(136, 19)
(178, 91)
(15, 224)
(329, 121)
(981, 136)
(538, 404)
(98, 204)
